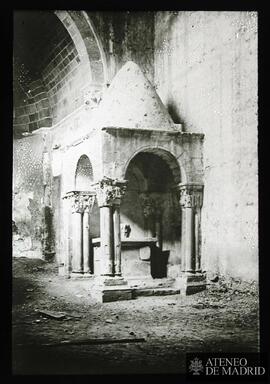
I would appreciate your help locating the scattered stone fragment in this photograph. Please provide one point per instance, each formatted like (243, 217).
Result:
(53, 314)
(109, 321)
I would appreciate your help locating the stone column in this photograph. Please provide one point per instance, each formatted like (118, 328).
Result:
(77, 242)
(117, 240)
(88, 200)
(191, 196)
(86, 241)
(81, 204)
(198, 239)
(109, 194)
(191, 280)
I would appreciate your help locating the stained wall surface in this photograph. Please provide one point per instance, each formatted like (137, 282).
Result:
(206, 74)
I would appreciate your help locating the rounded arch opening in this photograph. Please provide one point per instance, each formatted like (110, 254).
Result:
(83, 174)
(178, 173)
(151, 208)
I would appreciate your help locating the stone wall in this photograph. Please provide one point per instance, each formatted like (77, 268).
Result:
(206, 74)
(126, 36)
(28, 195)
(33, 111)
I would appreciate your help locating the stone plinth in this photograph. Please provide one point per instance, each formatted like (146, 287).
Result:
(81, 275)
(191, 283)
(109, 289)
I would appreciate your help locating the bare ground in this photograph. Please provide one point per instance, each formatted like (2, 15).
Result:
(220, 319)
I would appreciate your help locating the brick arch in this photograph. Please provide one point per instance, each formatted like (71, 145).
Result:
(176, 168)
(84, 37)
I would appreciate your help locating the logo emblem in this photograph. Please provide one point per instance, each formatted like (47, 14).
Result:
(196, 366)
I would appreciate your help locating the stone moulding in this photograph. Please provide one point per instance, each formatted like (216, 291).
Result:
(127, 131)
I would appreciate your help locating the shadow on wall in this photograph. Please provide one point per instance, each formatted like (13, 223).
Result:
(159, 262)
(173, 112)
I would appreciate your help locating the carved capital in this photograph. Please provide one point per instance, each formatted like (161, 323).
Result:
(191, 195)
(81, 201)
(110, 191)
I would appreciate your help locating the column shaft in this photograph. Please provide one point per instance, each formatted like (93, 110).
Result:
(117, 240)
(77, 243)
(106, 240)
(86, 242)
(197, 241)
(189, 240)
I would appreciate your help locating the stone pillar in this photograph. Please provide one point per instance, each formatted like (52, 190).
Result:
(191, 203)
(117, 240)
(198, 239)
(86, 241)
(191, 198)
(106, 240)
(81, 205)
(88, 200)
(110, 286)
(77, 242)
(109, 194)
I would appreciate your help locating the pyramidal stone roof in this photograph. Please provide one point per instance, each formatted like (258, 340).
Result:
(132, 102)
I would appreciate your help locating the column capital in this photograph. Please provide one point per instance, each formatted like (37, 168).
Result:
(191, 195)
(81, 201)
(110, 191)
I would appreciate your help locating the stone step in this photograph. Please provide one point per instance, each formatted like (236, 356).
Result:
(151, 283)
(154, 292)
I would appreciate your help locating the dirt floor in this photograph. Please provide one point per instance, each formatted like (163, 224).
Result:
(221, 319)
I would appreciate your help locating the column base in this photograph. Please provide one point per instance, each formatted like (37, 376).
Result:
(81, 275)
(109, 289)
(110, 280)
(190, 283)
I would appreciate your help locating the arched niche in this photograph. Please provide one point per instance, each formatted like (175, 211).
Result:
(151, 201)
(83, 181)
(84, 174)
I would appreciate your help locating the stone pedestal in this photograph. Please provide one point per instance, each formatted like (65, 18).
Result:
(189, 283)
(109, 289)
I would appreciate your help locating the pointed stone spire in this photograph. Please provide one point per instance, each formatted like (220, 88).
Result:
(132, 102)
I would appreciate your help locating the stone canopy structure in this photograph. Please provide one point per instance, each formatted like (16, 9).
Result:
(131, 122)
